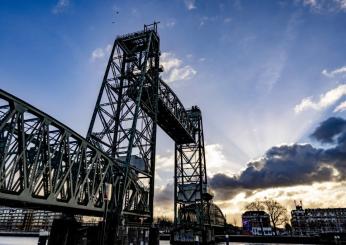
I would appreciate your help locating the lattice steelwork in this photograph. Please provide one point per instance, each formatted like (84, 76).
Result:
(45, 164)
(190, 175)
(125, 117)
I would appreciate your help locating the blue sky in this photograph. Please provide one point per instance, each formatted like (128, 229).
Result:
(264, 73)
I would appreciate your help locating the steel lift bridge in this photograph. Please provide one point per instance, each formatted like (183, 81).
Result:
(46, 165)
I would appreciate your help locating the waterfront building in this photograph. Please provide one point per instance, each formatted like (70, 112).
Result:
(313, 222)
(16, 219)
(256, 223)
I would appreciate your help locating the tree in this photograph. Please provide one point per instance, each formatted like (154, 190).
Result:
(288, 228)
(255, 206)
(277, 213)
(164, 223)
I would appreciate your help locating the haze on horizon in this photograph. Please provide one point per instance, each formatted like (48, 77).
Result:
(270, 78)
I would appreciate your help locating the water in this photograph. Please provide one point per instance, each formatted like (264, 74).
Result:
(235, 243)
(34, 240)
(246, 243)
(6, 240)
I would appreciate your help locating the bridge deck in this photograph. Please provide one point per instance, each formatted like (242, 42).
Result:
(172, 116)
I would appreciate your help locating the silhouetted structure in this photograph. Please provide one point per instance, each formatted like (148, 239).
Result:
(46, 165)
(195, 216)
(312, 222)
(257, 223)
(16, 219)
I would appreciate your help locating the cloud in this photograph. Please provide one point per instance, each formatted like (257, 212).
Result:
(338, 71)
(183, 73)
(320, 6)
(281, 166)
(170, 23)
(311, 195)
(290, 165)
(326, 100)
(271, 69)
(227, 20)
(311, 3)
(341, 107)
(190, 4)
(217, 161)
(164, 195)
(164, 200)
(285, 172)
(174, 70)
(329, 129)
(99, 53)
(208, 19)
(60, 6)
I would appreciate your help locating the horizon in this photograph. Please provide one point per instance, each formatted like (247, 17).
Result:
(269, 79)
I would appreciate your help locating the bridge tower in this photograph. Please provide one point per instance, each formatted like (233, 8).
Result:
(191, 198)
(124, 123)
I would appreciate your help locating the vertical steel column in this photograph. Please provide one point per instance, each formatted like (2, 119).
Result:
(191, 178)
(154, 101)
(124, 121)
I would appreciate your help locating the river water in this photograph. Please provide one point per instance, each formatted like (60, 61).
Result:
(34, 240)
(5, 240)
(236, 243)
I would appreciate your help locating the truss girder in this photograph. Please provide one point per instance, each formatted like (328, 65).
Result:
(44, 164)
(173, 117)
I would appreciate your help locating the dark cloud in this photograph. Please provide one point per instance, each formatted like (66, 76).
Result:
(329, 129)
(165, 195)
(290, 165)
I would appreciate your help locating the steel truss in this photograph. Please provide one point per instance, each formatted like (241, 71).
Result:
(124, 121)
(132, 101)
(190, 174)
(45, 164)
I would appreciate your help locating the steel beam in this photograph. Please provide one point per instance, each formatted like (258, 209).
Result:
(44, 164)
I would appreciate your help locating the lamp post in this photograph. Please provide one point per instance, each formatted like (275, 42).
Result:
(107, 197)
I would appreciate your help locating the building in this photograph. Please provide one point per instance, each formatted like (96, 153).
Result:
(313, 222)
(256, 223)
(16, 219)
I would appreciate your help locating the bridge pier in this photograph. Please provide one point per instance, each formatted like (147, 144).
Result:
(154, 236)
(64, 231)
(67, 231)
(135, 235)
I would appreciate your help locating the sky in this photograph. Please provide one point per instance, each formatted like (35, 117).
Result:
(269, 77)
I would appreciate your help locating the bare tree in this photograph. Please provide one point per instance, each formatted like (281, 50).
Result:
(255, 206)
(277, 213)
(288, 228)
(164, 223)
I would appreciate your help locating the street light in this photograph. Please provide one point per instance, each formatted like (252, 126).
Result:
(107, 197)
